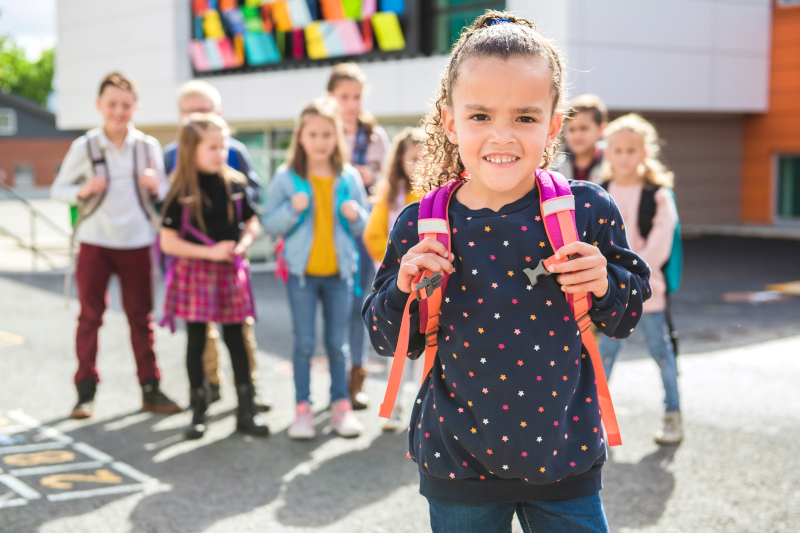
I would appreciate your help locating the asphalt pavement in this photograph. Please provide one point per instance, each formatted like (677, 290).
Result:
(128, 471)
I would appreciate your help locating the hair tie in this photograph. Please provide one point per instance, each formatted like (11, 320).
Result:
(499, 21)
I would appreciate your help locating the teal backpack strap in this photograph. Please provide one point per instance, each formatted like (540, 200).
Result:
(343, 194)
(673, 269)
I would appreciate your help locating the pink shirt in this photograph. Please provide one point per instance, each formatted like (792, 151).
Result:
(657, 247)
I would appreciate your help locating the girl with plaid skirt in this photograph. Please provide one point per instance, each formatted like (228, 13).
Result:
(208, 226)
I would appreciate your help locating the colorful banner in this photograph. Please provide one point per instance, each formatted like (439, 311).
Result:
(230, 34)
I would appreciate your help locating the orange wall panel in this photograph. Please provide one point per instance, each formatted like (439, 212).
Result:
(778, 131)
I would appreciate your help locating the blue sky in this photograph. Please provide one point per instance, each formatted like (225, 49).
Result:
(32, 24)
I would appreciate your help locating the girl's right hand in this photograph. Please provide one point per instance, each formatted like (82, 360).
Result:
(420, 258)
(300, 202)
(222, 252)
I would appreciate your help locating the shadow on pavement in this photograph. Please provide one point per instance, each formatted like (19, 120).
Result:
(200, 479)
(637, 494)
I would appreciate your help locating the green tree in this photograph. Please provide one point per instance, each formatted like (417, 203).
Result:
(29, 79)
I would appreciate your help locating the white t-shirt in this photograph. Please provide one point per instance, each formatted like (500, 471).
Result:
(119, 221)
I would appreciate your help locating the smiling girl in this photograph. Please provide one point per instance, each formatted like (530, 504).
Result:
(508, 419)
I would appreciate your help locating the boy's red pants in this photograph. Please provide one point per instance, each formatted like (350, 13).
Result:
(93, 270)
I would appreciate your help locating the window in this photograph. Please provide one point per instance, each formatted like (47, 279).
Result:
(8, 122)
(254, 141)
(787, 3)
(451, 16)
(23, 175)
(789, 187)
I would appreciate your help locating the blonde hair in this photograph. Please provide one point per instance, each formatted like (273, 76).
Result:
(486, 37)
(352, 72)
(654, 171)
(297, 158)
(200, 88)
(404, 141)
(185, 183)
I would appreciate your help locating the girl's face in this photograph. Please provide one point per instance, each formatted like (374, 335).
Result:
(410, 160)
(625, 152)
(348, 95)
(117, 107)
(318, 139)
(211, 153)
(501, 120)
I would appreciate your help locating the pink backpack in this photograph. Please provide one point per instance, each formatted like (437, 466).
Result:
(558, 211)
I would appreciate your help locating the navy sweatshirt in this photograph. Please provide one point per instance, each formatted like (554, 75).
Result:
(510, 411)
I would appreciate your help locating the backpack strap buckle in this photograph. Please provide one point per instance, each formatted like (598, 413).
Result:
(430, 337)
(429, 284)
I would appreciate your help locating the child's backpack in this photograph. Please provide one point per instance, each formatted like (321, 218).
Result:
(141, 155)
(241, 265)
(343, 194)
(558, 211)
(673, 268)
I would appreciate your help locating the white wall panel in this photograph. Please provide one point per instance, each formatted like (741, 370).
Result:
(659, 55)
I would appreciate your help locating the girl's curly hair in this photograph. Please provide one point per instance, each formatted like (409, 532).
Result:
(515, 36)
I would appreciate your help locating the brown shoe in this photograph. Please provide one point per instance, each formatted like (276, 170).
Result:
(83, 409)
(358, 397)
(156, 401)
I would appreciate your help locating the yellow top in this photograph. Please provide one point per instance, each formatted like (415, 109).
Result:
(376, 234)
(322, 259)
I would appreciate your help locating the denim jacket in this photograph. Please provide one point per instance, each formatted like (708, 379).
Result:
(281, 220)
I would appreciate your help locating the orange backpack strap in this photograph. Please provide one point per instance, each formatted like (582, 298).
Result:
(558, 213)
(433, 222)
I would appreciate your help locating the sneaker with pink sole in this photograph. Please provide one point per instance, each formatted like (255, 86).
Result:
(344, 422)
(303, 427)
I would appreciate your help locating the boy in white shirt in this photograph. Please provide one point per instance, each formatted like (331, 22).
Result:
(114, 173)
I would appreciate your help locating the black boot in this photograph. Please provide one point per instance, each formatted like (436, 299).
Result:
(246, 419)
(199, 402)
(214, 395)
(155, 400)
(86, 391)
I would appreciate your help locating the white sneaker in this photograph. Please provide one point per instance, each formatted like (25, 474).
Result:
(672, 432)
(344, 422)
(303, 427)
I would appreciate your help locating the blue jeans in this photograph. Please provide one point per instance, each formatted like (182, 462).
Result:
(656, 333)
(335, 294)
(579, 515)
(357, 330)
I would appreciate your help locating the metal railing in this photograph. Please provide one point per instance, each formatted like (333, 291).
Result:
(35, 215)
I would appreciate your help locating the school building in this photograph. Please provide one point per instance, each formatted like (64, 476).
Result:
(719, 78)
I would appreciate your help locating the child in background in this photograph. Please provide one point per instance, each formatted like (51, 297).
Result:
(115, 233)
(395, 192)
(317, 202)
(636, 179)
(208, 226)
(393, 195)
(368, 145)
(508, 419)
(198, 96)
(583, 131)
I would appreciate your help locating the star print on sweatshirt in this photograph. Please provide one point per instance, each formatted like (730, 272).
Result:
(509, 411)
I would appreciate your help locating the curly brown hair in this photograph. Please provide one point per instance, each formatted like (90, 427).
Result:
(514, 36)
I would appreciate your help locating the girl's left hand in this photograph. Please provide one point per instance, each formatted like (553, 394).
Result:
(587, 273)
(349, 210)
